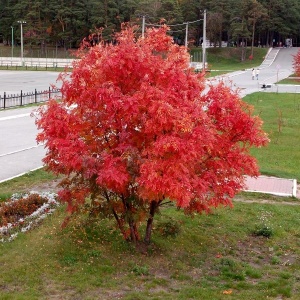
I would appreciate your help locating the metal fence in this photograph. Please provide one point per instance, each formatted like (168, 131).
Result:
(8, 101)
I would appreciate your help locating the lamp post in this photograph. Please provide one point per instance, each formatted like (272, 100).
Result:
(143, 25)
(21, 23)
(12, 41)
(204, 42)
(186, 33)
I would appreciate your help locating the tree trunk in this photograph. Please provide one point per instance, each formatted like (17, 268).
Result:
(133, 232)
(120, 221)
(220, 37)
(120, 224)
(153, 207)
(252, 42)
(243, 50)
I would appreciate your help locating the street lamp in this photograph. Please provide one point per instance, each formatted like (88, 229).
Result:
(186, 33)
(204, 42)
(21, 23)
(12, 41)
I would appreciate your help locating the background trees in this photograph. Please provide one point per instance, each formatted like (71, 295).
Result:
(65, 23)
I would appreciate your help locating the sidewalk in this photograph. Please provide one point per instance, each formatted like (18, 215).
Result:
(273, 186)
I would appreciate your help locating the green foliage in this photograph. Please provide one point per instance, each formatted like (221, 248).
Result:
(69, 260)
(253, 273)
(263, 230)
(140, 270)
(275, 260)
(231, 269)
(264, 227)
(169, 227)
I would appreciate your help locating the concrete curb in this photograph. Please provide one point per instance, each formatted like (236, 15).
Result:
(21, 174)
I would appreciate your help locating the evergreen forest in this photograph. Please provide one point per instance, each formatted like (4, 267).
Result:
(64, 23)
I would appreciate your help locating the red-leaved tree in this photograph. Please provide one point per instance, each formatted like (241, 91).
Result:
(134, 129)
(297, 64)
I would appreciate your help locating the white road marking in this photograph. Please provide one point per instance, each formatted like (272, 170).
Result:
(14, 117)
(21, 150)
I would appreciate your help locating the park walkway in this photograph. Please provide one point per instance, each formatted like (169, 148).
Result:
(273, 185)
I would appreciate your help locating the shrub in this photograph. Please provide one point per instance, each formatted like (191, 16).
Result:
(140, 270)
(264, 227)
(170, 227)
(263, 230)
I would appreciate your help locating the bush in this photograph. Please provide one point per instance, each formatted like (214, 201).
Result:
(263, 230)
(169, 228)
(140, 270)
(264, 227)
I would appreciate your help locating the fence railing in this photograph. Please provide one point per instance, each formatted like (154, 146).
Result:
(8, 101)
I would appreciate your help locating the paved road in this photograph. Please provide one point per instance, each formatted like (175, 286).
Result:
(19, 152)
(12, 82)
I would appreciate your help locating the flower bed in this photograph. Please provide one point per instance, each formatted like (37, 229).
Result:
(22, 212)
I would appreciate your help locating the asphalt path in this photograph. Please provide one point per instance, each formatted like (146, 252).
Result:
(19, 152)
(279, 67)
(12, 82)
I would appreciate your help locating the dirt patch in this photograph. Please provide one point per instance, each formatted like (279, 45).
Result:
(49, 186)
(254, 251)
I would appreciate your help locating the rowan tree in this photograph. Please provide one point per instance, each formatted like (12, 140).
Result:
(135, 129)
(297, 63)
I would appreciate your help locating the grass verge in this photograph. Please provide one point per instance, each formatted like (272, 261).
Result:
(290, 80)
(26, 183)
(281, 116)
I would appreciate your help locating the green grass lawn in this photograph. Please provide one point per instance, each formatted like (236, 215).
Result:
(290, 80)
(25, 183)
(212, 255)
(229, 59)
(281, 116)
